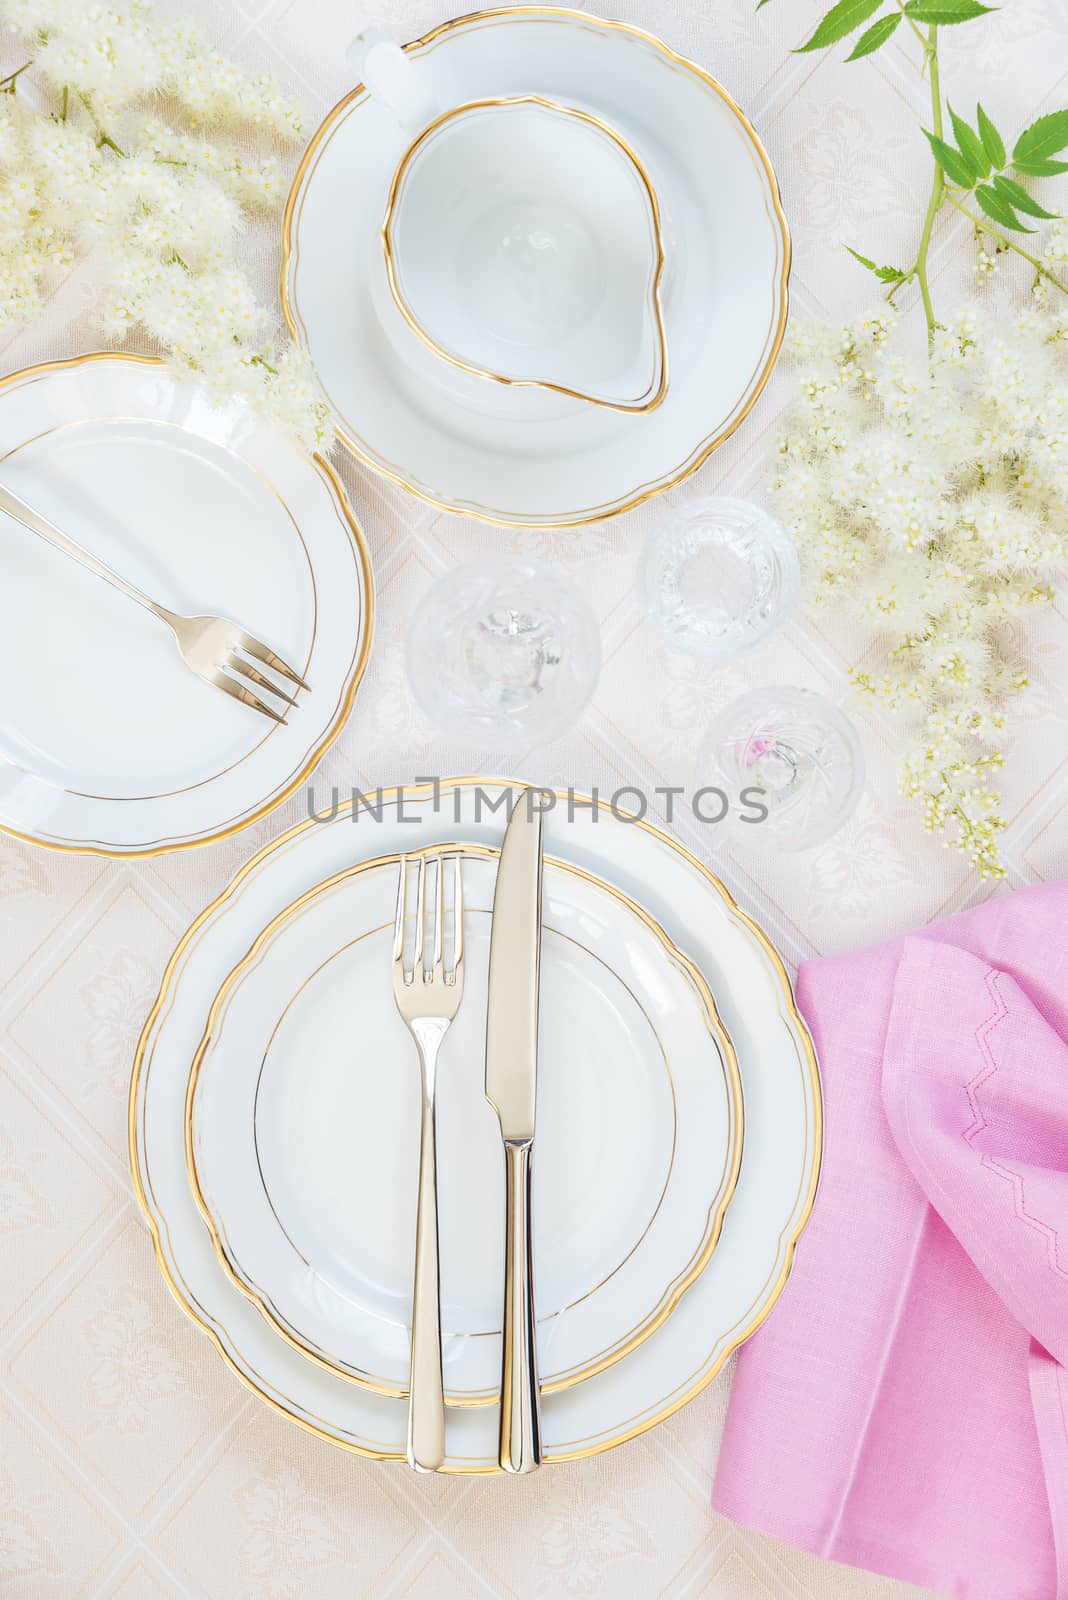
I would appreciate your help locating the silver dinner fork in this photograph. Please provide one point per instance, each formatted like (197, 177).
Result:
(213, 647)
(428, 999)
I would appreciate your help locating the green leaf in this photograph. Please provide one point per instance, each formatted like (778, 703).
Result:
(1042, 139)
(944, 11)
(993, 143)
(971, 146)
(998, 208)
(1017, 196)
(876, 35)
(1040, 169)
(951, 161)
(840, 20)
(884, 274)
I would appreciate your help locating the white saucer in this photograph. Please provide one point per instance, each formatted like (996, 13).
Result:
(771, 1204)
(118, 748)
(725, 289)
(303, 1134)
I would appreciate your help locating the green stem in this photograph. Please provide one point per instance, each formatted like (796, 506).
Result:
(8, 83)
(103, 138)
(938, 185)
(916, 30)
(1008, 241)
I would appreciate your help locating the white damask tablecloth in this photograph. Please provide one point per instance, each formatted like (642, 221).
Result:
(132, 1464)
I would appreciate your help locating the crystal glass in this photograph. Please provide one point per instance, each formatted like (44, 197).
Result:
(800, 751)
(504, 649)
(718, 577)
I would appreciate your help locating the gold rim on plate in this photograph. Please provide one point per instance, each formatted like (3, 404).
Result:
(348, 693)
(777, 1279)
(304, 666)
(639, 407)
(673, 1291)
(758, 381)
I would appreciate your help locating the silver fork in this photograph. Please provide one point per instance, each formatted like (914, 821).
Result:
(210, 646)
(428, 999)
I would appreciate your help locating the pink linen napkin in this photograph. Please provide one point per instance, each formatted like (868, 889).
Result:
(905, 1409)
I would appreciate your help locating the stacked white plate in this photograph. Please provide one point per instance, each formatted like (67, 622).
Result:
(274, 1130)
(114, 746)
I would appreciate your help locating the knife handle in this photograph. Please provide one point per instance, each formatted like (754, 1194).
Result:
(520, 1435)
(426, 1396)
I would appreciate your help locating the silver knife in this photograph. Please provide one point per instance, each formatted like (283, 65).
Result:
(511, 1084)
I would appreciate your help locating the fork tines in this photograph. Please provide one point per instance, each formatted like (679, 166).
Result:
(234, 675)
(440, 969)
(252, 647)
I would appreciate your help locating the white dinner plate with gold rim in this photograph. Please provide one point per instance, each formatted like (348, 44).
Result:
(302, 1127)
(771, 1204)
(724, 293)
(118, 748)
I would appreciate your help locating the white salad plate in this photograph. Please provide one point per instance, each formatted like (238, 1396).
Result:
(767, 1213)
(303, 1133)
(118, 748)
(501, 221)
(724, 291)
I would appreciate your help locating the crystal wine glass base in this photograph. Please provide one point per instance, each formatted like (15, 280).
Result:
(718, 577)
(504, 649)
(799, 751)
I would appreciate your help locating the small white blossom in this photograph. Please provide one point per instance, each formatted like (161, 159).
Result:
(933, 496)
(163, 206)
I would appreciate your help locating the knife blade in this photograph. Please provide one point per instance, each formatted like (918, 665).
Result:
(511, 1088)
(514, 964)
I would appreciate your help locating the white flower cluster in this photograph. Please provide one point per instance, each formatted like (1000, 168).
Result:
(115, 54)
(931, 496)
(111, 170)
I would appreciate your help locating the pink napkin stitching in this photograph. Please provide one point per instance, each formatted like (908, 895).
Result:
(933, 1181)
(1044, 1371)
(983, 1034)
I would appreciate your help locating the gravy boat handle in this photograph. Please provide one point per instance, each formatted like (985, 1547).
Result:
(394, 78)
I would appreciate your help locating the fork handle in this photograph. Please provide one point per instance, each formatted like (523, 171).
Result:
(426, 1391)
(46, 530)
(520, 1430)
